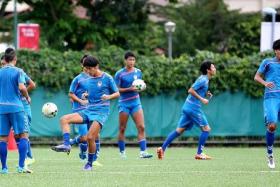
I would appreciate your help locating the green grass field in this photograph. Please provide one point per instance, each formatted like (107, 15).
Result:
(230, 167)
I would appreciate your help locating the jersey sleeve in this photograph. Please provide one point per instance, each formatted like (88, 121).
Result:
(117, 79)
(73, 86)
(112, 85)
(199, 83)
(262, 67)
(21, 77)
(27, 78)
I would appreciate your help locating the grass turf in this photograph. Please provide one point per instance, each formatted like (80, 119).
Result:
(229, 167)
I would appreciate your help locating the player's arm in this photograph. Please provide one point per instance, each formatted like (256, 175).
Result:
(195, 94)
(24, 92)
(117, 81)
(73, 97)
(129, 89)
(31, 85)
(259, 78)
(112, 96)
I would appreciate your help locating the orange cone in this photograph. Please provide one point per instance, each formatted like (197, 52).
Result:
(12, 145)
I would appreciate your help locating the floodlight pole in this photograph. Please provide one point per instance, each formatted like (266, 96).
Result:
(169, 29)
(15, 24)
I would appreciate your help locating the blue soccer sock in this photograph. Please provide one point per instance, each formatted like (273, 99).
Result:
(3, 154)
(76, 140)
(66, 139)
(29, 152)
(17, 141)
(202, 139)
(121, 144)
(169, 139)
(269, 142)
(91, 157)
(22, 149)
(143, 145)
(83, 147)
(97, 143)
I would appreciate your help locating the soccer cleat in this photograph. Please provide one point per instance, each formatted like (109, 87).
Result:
(96, 163)
(24, 170)
(29, 161)
(87, 167)
(82, 156)
(160, 153)
(62, 148)
(4, 171)
(202, 156)
(270, 162)
(144, 154)
(123, 155)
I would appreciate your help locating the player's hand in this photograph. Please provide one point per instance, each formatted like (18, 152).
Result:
(269, 85)
(209, 94)
(204, 101)
(133, 88)
(105, 97)
(85, 96)
(84, 102)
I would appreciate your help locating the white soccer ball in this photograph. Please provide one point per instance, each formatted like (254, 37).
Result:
(49, 110)
(139, 84)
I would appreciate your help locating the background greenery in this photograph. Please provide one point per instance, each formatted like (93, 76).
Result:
(55, 70)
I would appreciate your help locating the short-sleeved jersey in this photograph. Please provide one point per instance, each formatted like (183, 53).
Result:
(270, 69)
(124, 79)
(78, 87)
(10, 96)
(201, 87)
(97, 87)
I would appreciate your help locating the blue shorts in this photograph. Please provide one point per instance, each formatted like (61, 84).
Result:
(91, 116)
(16, 120)
(82, 128)
(271, 110)
(130, 107)
(192, 116)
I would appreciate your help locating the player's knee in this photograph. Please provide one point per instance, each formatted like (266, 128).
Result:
(83, 138)
(90, 138)
(206, 128)
(141, 128)
(271, 127)
(122, 129)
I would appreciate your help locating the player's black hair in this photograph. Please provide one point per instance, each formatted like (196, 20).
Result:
(206, 65)
(276, 45)
(10, 55)
(83, 58)
(129, 54)
(90, 61)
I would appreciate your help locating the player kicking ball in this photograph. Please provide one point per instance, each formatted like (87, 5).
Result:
(192, 113)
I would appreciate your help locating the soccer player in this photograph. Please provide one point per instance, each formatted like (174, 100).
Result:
(12, 110)
(78, 94)
(130, 104)
(192, 113)
(101, 89)
(268, 75)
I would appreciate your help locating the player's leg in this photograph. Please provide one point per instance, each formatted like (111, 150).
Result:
(97, 152)
(91, 136)
(65, 121)
(21, 128)
(183, 123)
(202, 140)
(271, 115)
(123, 118)
(83, 145)
(4, 132)
(138, 118)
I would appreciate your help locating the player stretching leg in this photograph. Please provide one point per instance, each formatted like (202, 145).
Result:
(192, 113)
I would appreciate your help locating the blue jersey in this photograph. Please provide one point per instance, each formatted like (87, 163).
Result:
(26, 79)
(270, 69)
(97, 87)
(10, 96)
(201, 87)
(78, 87)
(124, 79)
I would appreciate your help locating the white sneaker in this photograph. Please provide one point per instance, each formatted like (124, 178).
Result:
(144, 154)
(270, 162)
(123, 155)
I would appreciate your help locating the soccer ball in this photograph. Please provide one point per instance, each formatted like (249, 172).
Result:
(139, 84)
(49, 110)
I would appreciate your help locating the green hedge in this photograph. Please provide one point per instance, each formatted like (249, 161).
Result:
(55, 70)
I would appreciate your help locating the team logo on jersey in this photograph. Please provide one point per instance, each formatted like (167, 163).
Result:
(99, 83)
(135, 77)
